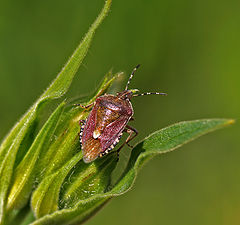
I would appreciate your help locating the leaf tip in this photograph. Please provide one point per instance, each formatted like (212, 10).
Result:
(229, 122)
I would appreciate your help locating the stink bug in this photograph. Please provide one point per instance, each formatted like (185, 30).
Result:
(107, 121)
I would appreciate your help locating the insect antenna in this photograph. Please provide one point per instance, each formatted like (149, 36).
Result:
(149, 93)
(131, 76)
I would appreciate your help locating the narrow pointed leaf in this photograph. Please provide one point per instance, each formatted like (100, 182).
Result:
(45, 199)
(93, 179)
(66, 143)
(87, 180)
(24, 174)
(161, 141)
(11, 144)
(61, 84)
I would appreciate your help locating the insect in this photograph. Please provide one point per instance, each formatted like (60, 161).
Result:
(107, 121)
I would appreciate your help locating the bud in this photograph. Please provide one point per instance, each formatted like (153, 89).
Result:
(88, 180)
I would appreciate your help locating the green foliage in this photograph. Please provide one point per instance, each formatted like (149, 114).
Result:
(43, 178)
(82, 207)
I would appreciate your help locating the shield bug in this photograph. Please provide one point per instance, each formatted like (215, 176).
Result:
(107, 121)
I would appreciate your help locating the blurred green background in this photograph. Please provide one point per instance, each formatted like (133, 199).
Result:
(189, 49)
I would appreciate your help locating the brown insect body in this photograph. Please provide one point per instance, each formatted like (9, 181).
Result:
(106, 123)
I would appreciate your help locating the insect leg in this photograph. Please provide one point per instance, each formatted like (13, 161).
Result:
(131, 130)
(84, 106)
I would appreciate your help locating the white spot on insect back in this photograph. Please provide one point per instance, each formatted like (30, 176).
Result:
(96, 134)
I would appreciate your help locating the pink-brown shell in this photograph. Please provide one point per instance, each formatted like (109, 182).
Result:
(104, 126)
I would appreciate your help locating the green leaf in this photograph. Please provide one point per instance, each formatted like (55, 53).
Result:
(91, 179)
(25, 173)
(61, 84)
(87, 180)
(63, 155)
(45, 198)
(66, 144)
(161, 141)
(49, 165)
(11, 144)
